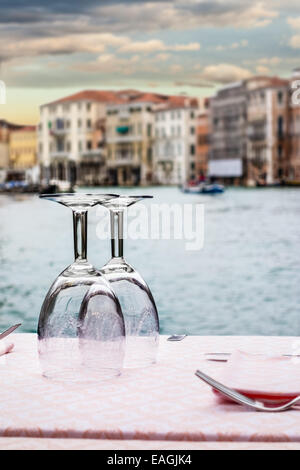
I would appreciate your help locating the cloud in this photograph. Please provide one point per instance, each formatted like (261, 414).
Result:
(262, 70)
(36, 18)
(155, 45)
(270, 60)
(176, 68)
(234, 45)
(295, 41)
(294, 22)
(90, 43)
(68, 44)
(224, 73)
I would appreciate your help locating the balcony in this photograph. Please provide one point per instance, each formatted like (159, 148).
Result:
(125, 138)
(92, 156)
(166, 158)
(256, 133)
(59, 154)
(122, 159)
(59, 127)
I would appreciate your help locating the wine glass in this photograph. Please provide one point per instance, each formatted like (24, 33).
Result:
(74, 343)
(137, 302)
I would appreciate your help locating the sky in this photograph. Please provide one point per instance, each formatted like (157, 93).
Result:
(50, 49)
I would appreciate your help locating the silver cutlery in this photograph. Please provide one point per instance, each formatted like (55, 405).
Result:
(9, 331)
(223, 357)
(176, 337)
(242, 399)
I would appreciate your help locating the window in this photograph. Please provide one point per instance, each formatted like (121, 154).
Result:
(89, 145)
(79, 122)
(192, 130)
(192, 114)
(88, 106)
(149, 130)
(149, 154)
(192, 149)
(280, 126)
(80, 146)
(280, 97)
(88, 123)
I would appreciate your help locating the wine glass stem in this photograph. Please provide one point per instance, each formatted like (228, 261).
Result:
(117, 227)
(80, 235)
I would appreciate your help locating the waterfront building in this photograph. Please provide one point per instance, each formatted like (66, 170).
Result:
(175, 141)
(228, 132)
(203, 131)
(250, 131)
(129, 126)
(267, 131)
(23, 153)
(5, 129)
(132, 136)
(71, 138)
(293, 165)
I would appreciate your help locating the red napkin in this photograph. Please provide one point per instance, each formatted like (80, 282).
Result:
(273, 380)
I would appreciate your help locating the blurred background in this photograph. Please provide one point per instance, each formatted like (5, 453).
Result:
(191, 102)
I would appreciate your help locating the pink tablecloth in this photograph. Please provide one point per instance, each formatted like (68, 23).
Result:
(165, 402)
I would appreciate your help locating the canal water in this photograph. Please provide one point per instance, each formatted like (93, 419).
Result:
(244, 281)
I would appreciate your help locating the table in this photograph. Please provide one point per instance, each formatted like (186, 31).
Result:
(161, 407)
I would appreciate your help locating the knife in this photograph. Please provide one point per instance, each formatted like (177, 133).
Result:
(223, 357)
(9, 331)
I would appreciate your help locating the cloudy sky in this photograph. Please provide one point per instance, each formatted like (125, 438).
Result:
(52, 48)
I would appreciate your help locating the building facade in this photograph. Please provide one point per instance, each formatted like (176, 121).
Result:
(5, 129)
(228, 133)
(250, 126)
(23, 154)
(129, 142)
(293, 164)
(175, 142)
(71, 138)
(267, 131)
(203, 131)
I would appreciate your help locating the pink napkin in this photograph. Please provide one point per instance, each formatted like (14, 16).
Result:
(270, 379)
(6, 348)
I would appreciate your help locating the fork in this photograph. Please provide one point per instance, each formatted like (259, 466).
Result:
(242, 399)
(9, 331)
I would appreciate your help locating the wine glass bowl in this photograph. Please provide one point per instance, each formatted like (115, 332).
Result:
(73, 344)
(137, 302)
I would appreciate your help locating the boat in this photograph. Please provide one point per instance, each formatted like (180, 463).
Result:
(204, 188)
(57, 186)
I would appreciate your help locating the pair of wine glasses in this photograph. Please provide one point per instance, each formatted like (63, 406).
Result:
(95, 322)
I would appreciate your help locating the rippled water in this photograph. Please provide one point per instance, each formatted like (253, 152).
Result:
(246, 279)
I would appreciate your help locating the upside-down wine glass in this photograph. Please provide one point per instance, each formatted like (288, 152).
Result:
(77, 344)
(137, 302)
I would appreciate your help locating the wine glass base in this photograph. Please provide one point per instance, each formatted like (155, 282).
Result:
(140, 351)
(79, 378)
(139, 364)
